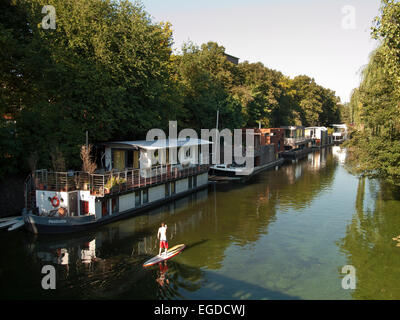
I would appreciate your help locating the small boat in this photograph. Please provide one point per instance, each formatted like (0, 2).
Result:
(10, 222)
(228, 170)
(16, 225)
(9, 218)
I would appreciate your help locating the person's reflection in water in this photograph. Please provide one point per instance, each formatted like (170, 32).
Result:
(63, 258)
(162, 280)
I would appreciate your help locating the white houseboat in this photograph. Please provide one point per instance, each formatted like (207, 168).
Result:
(63, 202)
(340, 133)
(319, 137)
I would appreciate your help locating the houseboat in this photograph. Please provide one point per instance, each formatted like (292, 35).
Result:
(319, 137)
(268, 144)
(296, 144)
(128, 183)
(340, 133)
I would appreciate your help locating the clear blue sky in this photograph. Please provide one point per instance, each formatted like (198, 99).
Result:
(294, 37)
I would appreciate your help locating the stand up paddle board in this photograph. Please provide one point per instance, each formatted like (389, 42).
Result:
(172, 252)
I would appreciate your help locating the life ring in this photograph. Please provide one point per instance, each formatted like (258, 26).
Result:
(56, 200)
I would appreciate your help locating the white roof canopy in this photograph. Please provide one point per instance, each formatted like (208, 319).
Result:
(321, 128)
(157, 144)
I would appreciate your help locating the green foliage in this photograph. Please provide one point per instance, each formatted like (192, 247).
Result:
(109, 70)
(105, 69)
(374, 106)
(205, 78)
(114, 181)
(315, 105)
(264, 95)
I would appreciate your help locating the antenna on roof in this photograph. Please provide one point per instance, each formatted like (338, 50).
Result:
(216, 125)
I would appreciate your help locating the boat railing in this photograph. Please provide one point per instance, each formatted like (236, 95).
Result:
(112, 182)
(295, 141)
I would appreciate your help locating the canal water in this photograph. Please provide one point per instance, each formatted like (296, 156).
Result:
(284, 234)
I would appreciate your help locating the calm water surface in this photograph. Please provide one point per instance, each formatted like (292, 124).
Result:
(285, 234)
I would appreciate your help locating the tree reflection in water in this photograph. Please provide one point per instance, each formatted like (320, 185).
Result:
(368, 243)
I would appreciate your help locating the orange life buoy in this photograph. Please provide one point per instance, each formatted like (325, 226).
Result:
(56, 200)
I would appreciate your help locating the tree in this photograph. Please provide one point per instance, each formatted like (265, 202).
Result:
(206, 77)
(104, 69)
(108, 69)
(375, 106)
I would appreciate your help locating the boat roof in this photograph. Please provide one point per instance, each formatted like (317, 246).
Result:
(292, 127)
(322, 128)
(156, 144)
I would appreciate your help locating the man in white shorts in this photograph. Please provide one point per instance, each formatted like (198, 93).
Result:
(162, 235)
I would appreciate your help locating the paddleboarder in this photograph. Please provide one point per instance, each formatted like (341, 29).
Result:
(162, 236)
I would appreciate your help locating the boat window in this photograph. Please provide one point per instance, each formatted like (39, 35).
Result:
(145, 195)
(257, 141)
(129, 159)
(194, 181)
(84, 208)
(173, 187)
(156, 155)
(136, 159)
(190, 182)
(115, 205)
(167, 189)
(138, 200)
(119, 160)
(104, 207)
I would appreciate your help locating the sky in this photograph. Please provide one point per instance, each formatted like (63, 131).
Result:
(328, 40)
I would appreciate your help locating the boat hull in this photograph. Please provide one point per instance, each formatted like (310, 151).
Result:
(296, 154)
(46, 225)
(232, 175)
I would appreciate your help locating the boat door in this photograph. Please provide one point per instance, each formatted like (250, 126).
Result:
(73, 203)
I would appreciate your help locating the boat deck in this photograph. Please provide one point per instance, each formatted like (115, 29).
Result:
(221, 178)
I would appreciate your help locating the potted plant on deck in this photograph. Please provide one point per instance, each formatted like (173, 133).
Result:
(114, 184)
(88, 164)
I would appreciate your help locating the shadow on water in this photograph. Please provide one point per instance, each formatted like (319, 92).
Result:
(191, 246)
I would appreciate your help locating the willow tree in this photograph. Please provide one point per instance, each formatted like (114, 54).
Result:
(376, 103)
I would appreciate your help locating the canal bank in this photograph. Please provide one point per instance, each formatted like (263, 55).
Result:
(283, 234)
